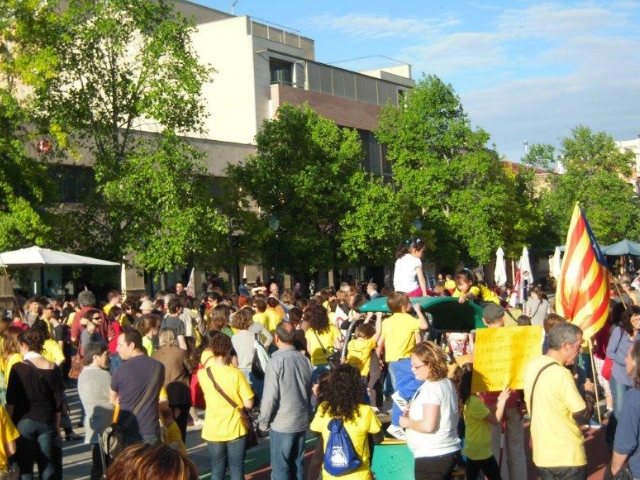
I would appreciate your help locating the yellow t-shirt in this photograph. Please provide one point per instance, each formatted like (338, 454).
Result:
(174, 438)
(8, 433)
(450, 285)
(365, 423)
(399, 336)
(477, 437)
(272, 320)
(480, 293)
(52, 352)
(147, 344)
(328, 338)
(359, 354)
(222, 422)
(557, 440)
(8, 364)
(261, 318)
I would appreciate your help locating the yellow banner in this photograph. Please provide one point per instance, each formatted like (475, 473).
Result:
(500, 356)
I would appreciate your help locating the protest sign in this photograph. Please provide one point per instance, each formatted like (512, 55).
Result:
(501, 356)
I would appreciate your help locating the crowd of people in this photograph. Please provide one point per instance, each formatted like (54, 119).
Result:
(145, 364)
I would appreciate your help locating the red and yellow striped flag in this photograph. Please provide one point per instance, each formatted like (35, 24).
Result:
(582, 296)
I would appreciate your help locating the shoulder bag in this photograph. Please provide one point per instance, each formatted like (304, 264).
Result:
(112, 439)
(333, 357)
(245, 415)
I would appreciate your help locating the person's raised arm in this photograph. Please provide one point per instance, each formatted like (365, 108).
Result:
(421, 280)
(496, 417)
(424, 321)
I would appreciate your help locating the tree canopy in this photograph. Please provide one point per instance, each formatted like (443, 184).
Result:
(444, 165)
(596, 174)
(101, 73)
(306, 172)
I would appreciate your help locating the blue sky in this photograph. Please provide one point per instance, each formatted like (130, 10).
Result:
(525, 70)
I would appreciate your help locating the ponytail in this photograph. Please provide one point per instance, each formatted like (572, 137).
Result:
(407, 245)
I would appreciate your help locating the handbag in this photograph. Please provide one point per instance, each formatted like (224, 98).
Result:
(111, 441)
(623, 474)
(245, 415)
(606, 368)
(77, 364)
(334, 357)
(197, 395)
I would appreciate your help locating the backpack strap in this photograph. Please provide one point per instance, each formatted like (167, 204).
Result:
(145, 396)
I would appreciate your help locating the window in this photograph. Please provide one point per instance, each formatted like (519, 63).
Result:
(375, 158)
(281, 71)
(74, 184)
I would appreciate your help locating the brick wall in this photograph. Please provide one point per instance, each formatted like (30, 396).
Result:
(345, 112)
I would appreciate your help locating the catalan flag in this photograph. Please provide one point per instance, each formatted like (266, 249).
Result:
(582, 296)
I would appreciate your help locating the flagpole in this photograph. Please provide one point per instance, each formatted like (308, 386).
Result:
(595, 383)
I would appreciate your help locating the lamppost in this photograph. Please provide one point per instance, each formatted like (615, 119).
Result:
(274, 225)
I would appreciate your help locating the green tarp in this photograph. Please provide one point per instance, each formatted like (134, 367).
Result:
(447, 313)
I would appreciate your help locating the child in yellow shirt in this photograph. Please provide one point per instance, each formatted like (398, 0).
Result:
(173, 437)
(359, 349)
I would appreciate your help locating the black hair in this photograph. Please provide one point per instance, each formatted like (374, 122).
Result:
(407, 245)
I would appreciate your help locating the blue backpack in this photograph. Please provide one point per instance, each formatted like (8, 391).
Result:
(339, 457)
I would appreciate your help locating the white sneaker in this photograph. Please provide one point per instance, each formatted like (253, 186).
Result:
(397, 432)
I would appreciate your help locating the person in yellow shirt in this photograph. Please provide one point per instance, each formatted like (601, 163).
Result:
(401, 331)
(173, 437)
(467, 289)
(478, 420)
(114, 298)
(360, 348)
(343, 396)
(8, 435)
(323, 339)
(224, 430)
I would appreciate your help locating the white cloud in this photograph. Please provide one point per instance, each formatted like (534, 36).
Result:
(380, 26)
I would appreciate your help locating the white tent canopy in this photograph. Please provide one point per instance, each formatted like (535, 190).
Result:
(500, 272)
(37, 256)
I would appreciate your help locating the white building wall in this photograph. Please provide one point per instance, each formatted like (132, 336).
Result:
(231, 97)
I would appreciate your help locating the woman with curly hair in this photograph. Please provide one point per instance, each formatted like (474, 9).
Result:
(34, 402)
(343, 398)
(431, 421)
(323, 338)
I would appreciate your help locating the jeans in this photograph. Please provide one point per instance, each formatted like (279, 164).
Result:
(114, 362)
(36, 444)
(618, 390)
(223, 454)
(563, 473)
(287, 455)
(435, 468)
(131, 439)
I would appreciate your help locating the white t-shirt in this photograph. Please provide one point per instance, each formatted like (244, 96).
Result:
(445, 439)
(405, 278)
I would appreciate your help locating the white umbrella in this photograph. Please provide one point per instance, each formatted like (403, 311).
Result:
(556, 263)
(500, 272)
(36, 256)
(123, 281)
(525, 273)
(191, 286)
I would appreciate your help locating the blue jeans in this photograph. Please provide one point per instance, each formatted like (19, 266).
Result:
(114, 362)
(287, 455)
(223, 454)
(36, 444)
(618, 390)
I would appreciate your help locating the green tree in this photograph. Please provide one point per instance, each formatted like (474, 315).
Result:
(306, 172)
(443, 164)
(104, 72)
(22, 182)
(596, 174)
